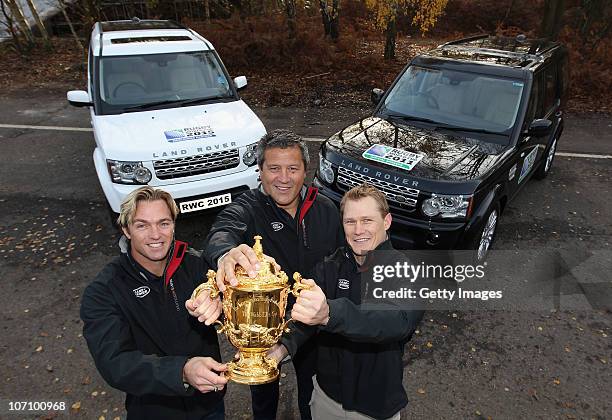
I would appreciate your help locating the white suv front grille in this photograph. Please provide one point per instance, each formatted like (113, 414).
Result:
(196, 165)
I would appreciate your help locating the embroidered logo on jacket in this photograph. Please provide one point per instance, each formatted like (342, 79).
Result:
(141, 291)
(277, 226)
(343, 284)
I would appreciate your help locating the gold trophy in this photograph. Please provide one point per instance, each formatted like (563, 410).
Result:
(254, 312)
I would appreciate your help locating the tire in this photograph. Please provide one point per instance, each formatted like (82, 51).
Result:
(547, 162)
(486, 234)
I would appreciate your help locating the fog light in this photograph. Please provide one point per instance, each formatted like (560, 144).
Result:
(249, 158)
(326, 173)
(142, 175)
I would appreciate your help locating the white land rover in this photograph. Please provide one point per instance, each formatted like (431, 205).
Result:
(165, 113)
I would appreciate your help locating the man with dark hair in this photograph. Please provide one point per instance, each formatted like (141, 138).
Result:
(138, 331)
(359, 351)
(299, 228)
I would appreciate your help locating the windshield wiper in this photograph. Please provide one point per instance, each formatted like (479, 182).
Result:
(187, 102)
(403, 117)
(181, 102)
(150, 105)
(471, 130)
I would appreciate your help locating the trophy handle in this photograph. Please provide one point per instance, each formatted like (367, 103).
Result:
(211, 287)
(298, 286)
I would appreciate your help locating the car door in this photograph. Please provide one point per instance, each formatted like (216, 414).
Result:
(528, 147)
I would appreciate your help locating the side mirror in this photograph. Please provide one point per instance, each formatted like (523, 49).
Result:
(376, 95)
(240, 82)
(540, 128)
(78, 98)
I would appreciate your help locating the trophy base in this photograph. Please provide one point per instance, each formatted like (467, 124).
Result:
(253, 368)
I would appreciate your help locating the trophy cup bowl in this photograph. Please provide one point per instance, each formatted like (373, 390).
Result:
(254, 321)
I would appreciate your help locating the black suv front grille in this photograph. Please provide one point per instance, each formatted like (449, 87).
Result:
(398, 194)
(196, 165)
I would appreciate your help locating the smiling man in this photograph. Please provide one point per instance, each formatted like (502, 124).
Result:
(137, 329)
(299, 228)
(359, 351)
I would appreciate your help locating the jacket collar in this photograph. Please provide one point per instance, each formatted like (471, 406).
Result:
(383, 246)
(176, 254)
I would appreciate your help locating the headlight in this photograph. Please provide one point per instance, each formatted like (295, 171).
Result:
(128, 172)
(249, 158)
(325, 170)
(447, 205)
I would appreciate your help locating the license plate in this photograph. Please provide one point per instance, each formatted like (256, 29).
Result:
(205, 203)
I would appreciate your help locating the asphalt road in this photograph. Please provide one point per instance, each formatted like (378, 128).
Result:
(55, 235)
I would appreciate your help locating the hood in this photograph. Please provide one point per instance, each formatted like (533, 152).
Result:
(444, 156)
(185, 131)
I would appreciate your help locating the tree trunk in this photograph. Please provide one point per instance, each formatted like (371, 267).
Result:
(552, 19)
(508, 10)
(390, 34)
(39, 24)
(11, 27)
(334, 22)
(207, 11)
(290, 10)
(20, 19)
(325, 17)
(69, 22)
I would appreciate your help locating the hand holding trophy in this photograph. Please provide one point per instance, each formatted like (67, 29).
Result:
(254, 312)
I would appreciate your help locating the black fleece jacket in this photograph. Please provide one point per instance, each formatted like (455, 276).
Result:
(140, 335)
(360, 351)
(296, 244)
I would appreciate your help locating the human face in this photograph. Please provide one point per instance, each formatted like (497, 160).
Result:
(282, 176)
(150, 234)
(365, 228)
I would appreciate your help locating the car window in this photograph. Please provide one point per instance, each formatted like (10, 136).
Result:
(550, 88)
(535, 107)
(457, 98)
(127, 81)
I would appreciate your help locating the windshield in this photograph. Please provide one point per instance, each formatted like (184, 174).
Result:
(456, 99)
(134, 81)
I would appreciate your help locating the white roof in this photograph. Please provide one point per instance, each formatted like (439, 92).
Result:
(152, 46)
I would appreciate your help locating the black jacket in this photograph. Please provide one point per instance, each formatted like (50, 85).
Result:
(359, 351)
(140, 334)
(297, 243)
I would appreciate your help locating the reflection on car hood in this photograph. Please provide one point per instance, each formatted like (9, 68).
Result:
(445, 156)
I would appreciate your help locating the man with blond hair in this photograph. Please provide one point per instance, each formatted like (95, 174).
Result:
(359, 351)
(138, 330)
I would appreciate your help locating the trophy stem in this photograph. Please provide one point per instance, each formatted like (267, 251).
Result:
(252, 368)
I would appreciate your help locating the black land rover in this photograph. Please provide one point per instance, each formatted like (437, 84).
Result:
(456, 136)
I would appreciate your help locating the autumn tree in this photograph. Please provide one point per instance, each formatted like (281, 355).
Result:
(424, 14)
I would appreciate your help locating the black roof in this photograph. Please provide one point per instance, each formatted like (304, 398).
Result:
(509, 51)
(136, 24)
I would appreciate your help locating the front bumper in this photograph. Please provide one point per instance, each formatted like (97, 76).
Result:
(234, 183)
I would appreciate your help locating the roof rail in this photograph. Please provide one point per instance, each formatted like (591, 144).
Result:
(466, 39)
(495, 53)
(101, 31)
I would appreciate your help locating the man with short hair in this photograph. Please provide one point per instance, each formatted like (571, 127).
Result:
(138, 331)
(299, 228)
(359, 351)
